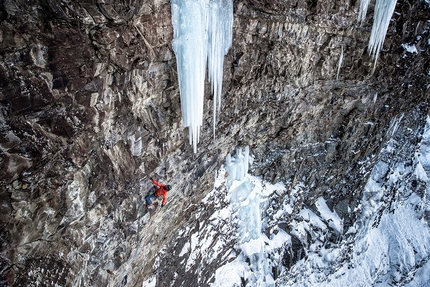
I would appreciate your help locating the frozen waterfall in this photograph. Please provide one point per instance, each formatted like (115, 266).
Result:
(202, 33)
(384, 9)
(246, 198)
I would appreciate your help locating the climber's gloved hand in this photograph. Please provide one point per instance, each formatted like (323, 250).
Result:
(162, 205)
(150, 178)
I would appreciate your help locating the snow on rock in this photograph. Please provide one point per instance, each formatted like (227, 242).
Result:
(247, 232)
(422, 277)
(230, 274)
(151, 282)
(411, 48)
(389, 245)
(334, 221)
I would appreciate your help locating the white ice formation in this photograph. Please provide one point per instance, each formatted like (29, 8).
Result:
(384, 10)
(364, 5)
(388, 245)
(220, 35)
(202, 34)
(190, 46)
(237, 167)
(261, 234)
(339, 64)
(248, 200)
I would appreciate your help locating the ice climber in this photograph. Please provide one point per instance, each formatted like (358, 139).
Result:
(157, 190)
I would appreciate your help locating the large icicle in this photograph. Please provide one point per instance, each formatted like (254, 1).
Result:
(189, 19)
(202, 34)
(220, 36)
(364, 5)
(384, 10)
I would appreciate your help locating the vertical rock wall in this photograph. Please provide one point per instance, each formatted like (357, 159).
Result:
(89, 109)
(304, 127)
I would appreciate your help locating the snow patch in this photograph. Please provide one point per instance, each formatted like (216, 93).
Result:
(151, 282)
(411, 48)
(185, 249)
(230, 274)
(331, 217)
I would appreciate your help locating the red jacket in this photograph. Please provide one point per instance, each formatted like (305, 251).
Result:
(160, 191)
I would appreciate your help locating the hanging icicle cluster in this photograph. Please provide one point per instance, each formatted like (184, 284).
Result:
(384, 10)
(202, 34)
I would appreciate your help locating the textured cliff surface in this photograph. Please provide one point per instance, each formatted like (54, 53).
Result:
(90, 109)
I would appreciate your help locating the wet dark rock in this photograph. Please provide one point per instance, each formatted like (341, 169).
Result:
(293, 253)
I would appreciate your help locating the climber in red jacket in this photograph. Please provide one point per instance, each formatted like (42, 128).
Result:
(158, 190)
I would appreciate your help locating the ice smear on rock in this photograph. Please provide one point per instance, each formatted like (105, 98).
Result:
(202, 33)
(384, 9)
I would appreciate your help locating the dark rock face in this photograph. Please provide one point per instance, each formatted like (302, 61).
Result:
(76, 137)
(89, 109)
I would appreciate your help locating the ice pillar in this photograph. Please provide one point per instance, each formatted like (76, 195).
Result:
(245, 199)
